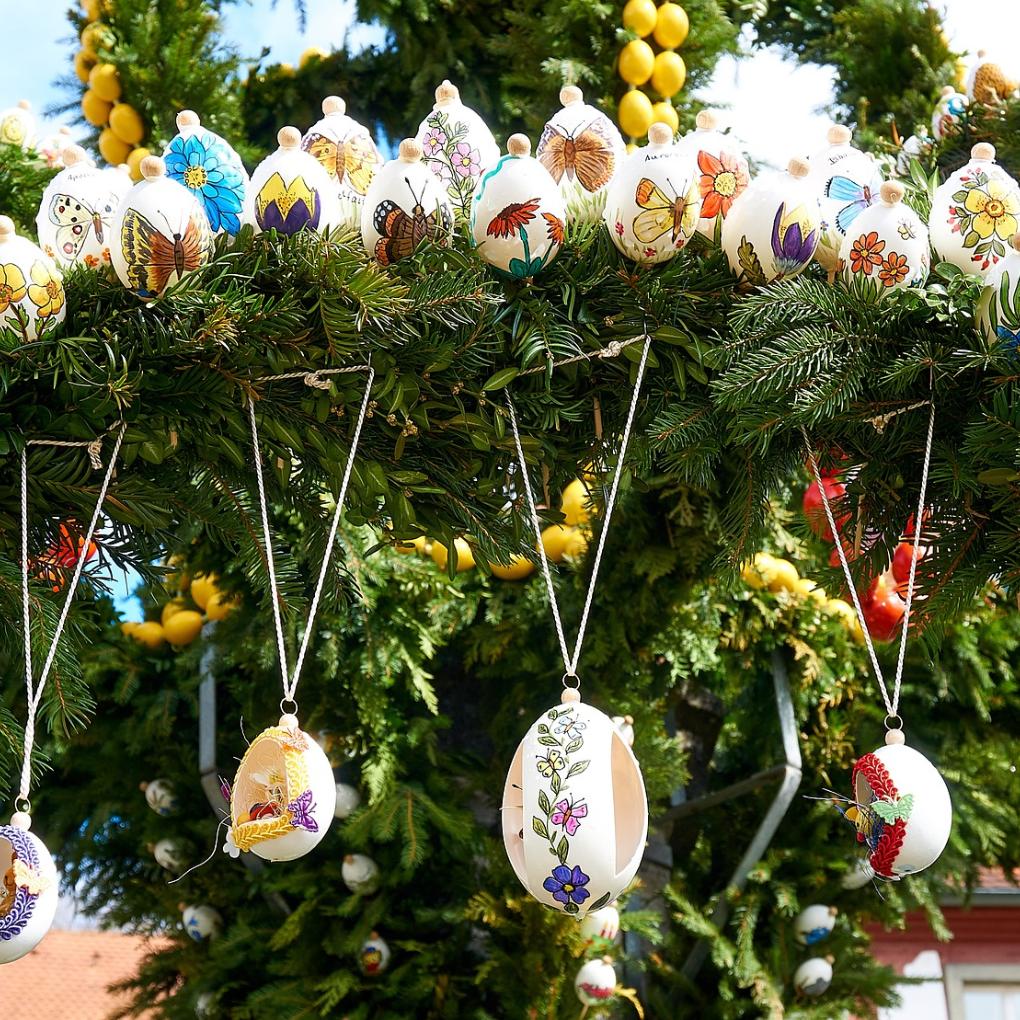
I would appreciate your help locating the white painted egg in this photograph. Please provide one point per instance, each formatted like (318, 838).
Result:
(202, 922)
(601, 924)
(169, 854)
(814, 923)
(360, 874)
(18, 125)
(595, 983)
(161, 797)
(375, 955)
(949, 110)
(51, 146)
(348, 800)
(813, 977)
(31, 286)
(999, 305)
(28, 889)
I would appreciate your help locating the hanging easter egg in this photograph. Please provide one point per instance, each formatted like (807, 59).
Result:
(653, 203)
(847, 182)
(405, 206)
(813, 976)
(205, 1005)
(595, 983)
(169, 854)
(28, 889)
(999, 306)
(18, 125)
(575, 814)
(582, 149)
(205, 164)
(723, 170)
(517, 213)
(887, 244)
(457, 144)
(202, 923)
(348, 800)
(347, 152)
(51, 146)
(901, 808)
(913, 148)
(859, 875)
(974, 213)
(772, 230)
(360, 874)
(119, 180)
(77, 212)
(948, 112)
(161, 797)
(814, 924)
(282, 799)
(31, 285)
(160, 233)
(625, 726)
(601, 924)
(374, 957)
(988, 83)
(290, 191)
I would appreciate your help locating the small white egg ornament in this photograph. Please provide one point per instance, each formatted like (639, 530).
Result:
(814, 924)
(405, 207)
(901, 808)
(945, 118)
(653, 203)
(348, 800)
(290, 191)
(582, 150)
(457, 145)
(887, 245)
(601, 924)
(284, 795)
(18, 125)
(347, 152)
(28, 889)
(595, 983)
(575, 815)
(913, 148)
(999, 305)
(169, 854)
(974, 213)
(858, 876)
(813, 977)
(375, 954)
(160, 233)
(360, 874)
(517, 214)
(202, 923)
(31, 285)
(51, 146)
(773, 229)
(161, 797)
(625, 724)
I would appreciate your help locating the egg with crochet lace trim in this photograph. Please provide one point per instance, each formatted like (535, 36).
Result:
(595, 983)
(32, 297)
(283, 797)
(28, 890)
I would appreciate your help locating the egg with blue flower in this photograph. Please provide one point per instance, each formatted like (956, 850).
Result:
(814, 924)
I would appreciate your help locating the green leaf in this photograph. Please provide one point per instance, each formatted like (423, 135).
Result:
(555, 783)
(577, 768)
(562, 849)
(543, 802)
(499, 379)
(573, 746)
(539, 826)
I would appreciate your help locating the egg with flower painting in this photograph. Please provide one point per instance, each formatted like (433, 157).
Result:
(375, 954)
(595, 983)
(601, 924)
(31, 285)
(201, 922)
(517, 214)
(773, 229)
(948, 113)
(18, 125)
(999, 305)
(28, 889)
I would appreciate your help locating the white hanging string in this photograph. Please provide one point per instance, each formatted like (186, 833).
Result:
(290, 680)
(891, 704)
(35, 688)
(570, 662)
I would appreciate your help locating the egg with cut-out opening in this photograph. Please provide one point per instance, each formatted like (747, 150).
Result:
(28, 890)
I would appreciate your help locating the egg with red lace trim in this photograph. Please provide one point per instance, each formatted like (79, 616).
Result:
(28, 889)
(595, 983)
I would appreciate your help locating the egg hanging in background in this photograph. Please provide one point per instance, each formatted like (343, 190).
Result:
(18, 125)
(813, 976)
(595, 983)
(814, 923)
(375, 954)
(31, 286)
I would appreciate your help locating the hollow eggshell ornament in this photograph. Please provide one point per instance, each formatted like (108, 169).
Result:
(887, 244)
(813, 976)
(517, 213)
(207, 165)
(347, 152)
(283, 797)
(457, 145)
(582, 150)
(595, 983)
(31, 285)
(28, 889)
(625, 724)
(161, 797)
(374, 957)
(653, 203)
(18, 125)
(360, 874)
(948, 111)
(814, 923)
(601, 924)
(912, 148)
(348, 800)
(290, 191)
(160, 233)
(722, 169)
(974, 213)
(772, 230)
(169, 854)
(202, 923)
(575, 815)
(405, 207)
(902, 807)
(999, 306)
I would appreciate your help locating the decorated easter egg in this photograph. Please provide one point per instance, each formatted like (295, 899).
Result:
(846, 181)
(51, 145)
(347, 152)
(575, 814)
(887, 244)
(517, 214)
(28, 889)
(773, 228)
(582, 150)
(202, 922)
(374, 957)
(974, 213)
(457, 145)
(161, 797)
(814, 923)
(290, 191)
(722, 168)
(360, 874)
(653, 203)
(859, 875)
(987, 82)
(160, 233)
(77, 212)
(405, 206)
(999, 306)
(169, 854)
(31, 285)
(595, 983)
(913, 148)
(348, 800)
(18, 125)
(901, 808)
(813, 977)
(949, 110)
(625, 724)
(601, 924)
(282, 800)
(210, 169)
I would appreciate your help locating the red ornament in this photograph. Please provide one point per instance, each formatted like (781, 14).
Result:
(883, 608)
(814, 507)
(905, 551)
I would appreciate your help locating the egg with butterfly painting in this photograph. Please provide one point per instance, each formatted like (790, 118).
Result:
(347, 152)
(77, 212)
(31, 285)
(582, 150)
(290, 191)
(28, 889)
(405, 207)
(653, 203)
(517, 214)
(160, 233)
